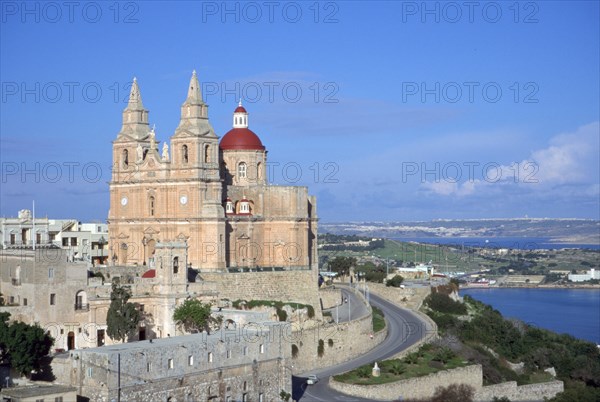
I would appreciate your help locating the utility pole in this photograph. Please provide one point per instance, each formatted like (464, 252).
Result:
(118, 377)
(349, 315)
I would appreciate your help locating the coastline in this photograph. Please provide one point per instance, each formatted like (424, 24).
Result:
(550, 286)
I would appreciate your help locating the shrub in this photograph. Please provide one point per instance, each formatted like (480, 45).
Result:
(397, 368)
(396, 281)
(375, 276)
(412, 358)
(444, 355)
(444, 304)
(281, 314)
(321, 348)
(364, 372)
(454, 393)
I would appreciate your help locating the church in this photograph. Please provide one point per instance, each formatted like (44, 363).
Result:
(211, 195)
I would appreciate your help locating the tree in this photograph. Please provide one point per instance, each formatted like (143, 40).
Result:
(396, 281)
(123, 317)
(193, 315)
(23, 346)
(285, 396)
(342, 265)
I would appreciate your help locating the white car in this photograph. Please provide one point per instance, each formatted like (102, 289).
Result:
(312, 379)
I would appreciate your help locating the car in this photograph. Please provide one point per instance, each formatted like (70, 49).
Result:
(312, 379)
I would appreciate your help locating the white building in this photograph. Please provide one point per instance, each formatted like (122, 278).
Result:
(83, 241)
(591, 274)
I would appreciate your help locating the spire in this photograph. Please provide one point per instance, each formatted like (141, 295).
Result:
(135, 116)
(194, 94)
(194, 112)
(135, 97)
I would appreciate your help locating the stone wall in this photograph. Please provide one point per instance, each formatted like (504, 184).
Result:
(349, 340)
(529, 392)
(408, 297)
(419, 387)
(241, 364)
(330, 297)
(288, 286)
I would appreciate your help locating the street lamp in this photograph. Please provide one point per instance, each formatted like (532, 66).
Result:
(101, 243)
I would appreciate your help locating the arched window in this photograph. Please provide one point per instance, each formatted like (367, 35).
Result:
(125, 158)
(206, 154)
(258, 171)
(152, 204)
(184, 153)
(175, 265)
(81, 300)
(242, 172)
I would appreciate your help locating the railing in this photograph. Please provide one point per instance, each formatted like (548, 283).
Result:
(29, 244)
(82, 306)
(267, 269)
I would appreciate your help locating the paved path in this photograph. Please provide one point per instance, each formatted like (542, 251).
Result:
(405, 328)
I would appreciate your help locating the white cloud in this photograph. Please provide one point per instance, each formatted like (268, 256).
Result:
(570, 159)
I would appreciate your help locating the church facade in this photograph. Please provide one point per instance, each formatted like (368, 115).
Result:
(211, 195)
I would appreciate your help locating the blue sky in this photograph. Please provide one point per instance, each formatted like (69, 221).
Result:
(386, 110)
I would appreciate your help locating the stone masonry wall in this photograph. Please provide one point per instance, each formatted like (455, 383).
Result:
(529, 392)
(419, 387)
(287, 286)
(350, 339)
(330, 297)
(411, 298)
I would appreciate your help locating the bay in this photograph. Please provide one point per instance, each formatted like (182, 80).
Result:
(572, 311)
(523, 243)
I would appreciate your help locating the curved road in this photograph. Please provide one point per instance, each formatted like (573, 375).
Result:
(405, 328)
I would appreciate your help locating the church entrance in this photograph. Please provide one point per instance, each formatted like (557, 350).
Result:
(100, 337)
(70, 340)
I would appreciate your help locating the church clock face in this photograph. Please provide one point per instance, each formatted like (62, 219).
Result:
(124, 201)
(183, 200)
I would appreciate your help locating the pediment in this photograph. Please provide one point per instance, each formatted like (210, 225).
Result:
(151, 231)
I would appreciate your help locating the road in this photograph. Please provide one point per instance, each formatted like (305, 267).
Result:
(353, 309)
(405, 328)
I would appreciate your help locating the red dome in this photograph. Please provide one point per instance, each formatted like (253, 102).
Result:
(151, 273)
(240, 109)
(241, 139)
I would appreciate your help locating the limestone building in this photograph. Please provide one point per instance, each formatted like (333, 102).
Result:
(212, 195)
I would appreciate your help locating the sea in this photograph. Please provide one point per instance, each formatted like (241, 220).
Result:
(522, 243)
(572, 311)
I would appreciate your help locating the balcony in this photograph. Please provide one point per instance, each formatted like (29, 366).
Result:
(82, 307)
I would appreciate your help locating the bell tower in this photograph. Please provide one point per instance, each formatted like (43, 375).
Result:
(195, 163)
